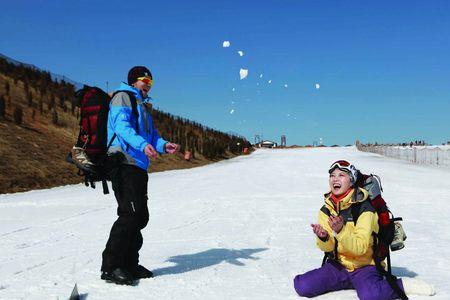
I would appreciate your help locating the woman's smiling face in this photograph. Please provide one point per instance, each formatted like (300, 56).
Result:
(339, 182)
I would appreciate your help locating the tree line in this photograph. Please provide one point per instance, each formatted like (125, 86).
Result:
(197, 138)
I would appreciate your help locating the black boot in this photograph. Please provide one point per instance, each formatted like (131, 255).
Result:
(118, 276)
(141, 272)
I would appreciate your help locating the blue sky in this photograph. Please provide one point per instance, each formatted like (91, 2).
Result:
(383, 67)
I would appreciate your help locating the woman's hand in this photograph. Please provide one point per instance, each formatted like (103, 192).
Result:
(336, 223)
(320, 232)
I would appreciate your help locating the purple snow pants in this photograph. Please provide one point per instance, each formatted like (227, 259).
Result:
(367, 282)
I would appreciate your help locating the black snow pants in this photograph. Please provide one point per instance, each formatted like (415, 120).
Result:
(125, 239)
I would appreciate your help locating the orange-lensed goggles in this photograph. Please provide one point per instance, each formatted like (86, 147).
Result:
(340, 164)
(147, 80)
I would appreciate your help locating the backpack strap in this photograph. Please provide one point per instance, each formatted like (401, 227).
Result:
(357, 210)
(359, 207)
(332, 255)
(390, 278)
(134, 109)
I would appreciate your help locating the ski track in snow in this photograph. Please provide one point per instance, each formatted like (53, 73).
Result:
(237, 229)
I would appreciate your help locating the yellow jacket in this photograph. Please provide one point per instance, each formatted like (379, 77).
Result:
(354, 242)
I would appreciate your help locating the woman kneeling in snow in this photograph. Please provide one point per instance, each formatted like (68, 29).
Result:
(352, 266)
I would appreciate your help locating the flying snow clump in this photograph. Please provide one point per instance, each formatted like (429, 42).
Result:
(243, 73)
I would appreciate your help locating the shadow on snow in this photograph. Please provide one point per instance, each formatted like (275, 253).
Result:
(403, 272)
(188, 262)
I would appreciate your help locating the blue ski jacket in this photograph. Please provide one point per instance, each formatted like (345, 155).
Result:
(122, 121)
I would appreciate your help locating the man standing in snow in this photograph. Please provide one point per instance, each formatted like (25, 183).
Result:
(136, 141)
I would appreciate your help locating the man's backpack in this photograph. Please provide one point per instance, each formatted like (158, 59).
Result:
(383, 239)
(92, 137)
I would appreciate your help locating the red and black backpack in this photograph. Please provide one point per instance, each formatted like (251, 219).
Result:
(93, 137)
(94, 108)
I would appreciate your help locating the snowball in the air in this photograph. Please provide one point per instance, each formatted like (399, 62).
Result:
(260, 75)
(226, 44)
(243, 73)
(231, 111)
(241, 53)
(285, 85)
(270, 81)
(317, 86)
(233, 89)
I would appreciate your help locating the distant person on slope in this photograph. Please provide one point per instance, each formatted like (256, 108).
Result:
(352, 265)
(136, 141)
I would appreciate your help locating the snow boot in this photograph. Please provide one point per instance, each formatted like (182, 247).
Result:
(81, 159)
(141, 272)
(118, 276)
(399, 237)
(414, 286)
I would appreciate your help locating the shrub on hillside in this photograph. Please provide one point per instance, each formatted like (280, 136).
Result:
(7, 87)
(54, 117)
(17, 115)
(41, 107)
(30, 99)
(2, 107)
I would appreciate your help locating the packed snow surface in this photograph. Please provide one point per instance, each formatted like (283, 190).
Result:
(237, 229)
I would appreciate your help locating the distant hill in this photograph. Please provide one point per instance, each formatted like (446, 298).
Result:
(39, 125)
(55, 77)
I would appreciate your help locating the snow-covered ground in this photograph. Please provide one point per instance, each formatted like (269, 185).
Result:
(238, 229)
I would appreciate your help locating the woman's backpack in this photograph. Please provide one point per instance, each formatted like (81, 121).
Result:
(389, 228)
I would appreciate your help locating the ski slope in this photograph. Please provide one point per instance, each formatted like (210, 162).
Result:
(237, 229)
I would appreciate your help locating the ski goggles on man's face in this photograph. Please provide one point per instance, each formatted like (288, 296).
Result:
(340, 164)
(147, 80)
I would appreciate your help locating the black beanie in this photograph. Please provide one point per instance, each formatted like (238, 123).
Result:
(136, 72)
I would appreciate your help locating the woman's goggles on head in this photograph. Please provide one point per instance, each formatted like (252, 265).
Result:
(147, 80)
(346, 167)
(341, 164)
